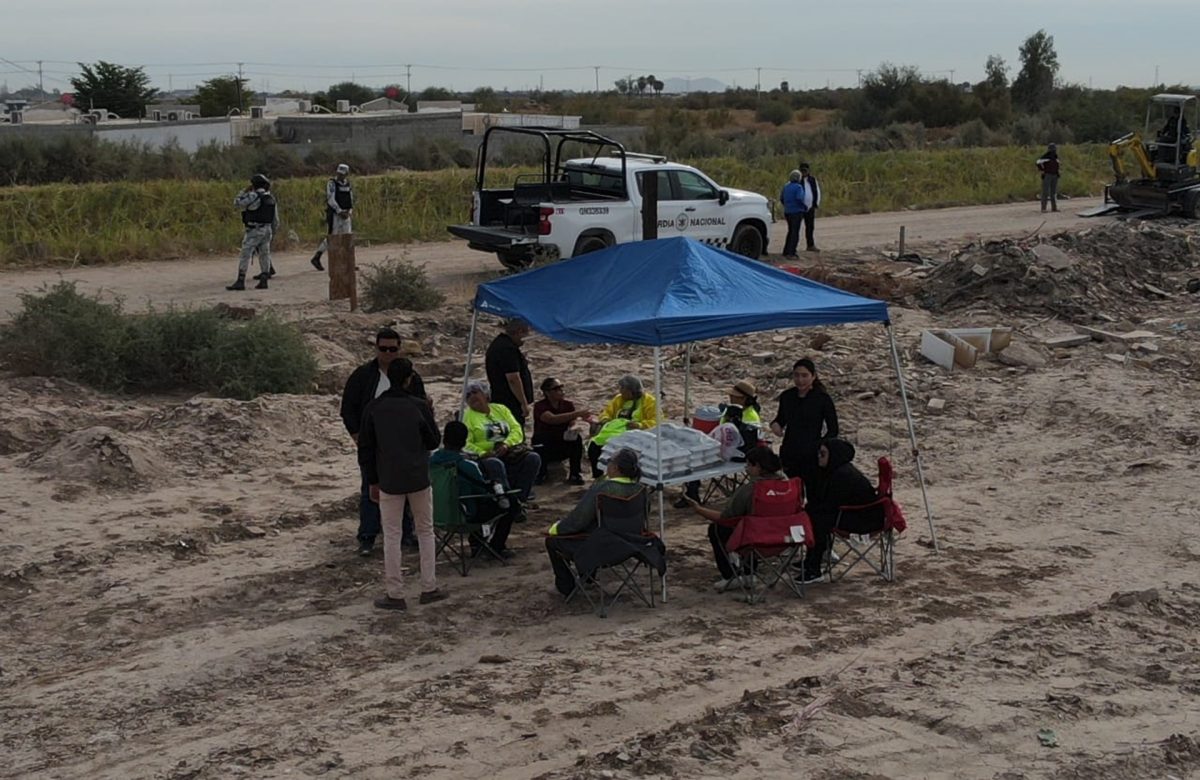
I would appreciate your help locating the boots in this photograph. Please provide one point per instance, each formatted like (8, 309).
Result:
(240, 284)
(270, 275)
(316, 261)
(262, 282)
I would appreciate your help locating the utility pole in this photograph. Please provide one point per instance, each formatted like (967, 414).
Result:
(1155, 76)
(170, 85)
(408, 79)
(239, 87)
(41, 87)
(952, 75)
(597, 69)
(859, 72)
(758, 80)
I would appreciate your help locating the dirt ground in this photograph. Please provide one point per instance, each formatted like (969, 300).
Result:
(182, 598)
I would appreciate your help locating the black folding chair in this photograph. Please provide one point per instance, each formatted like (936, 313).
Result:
(616, 551)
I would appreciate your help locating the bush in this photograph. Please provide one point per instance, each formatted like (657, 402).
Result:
(399, 284)
(264, 355)
(777, 112)
(60, 332)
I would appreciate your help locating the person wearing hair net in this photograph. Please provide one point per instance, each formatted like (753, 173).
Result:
(260, 215)
(339, 206)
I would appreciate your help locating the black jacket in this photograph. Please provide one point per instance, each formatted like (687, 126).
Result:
(397, 433)
(504, 357)
(360, 391)
(805, 422)
(839, 483)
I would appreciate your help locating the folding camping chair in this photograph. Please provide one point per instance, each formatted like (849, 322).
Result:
(856, 548)
(457, 526)
(621, 545)
(725, 485)
(766, 542)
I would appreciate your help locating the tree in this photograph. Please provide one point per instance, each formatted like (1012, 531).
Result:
(357, 94)
(217, 96)
(437, 93)
(655, 84)
(996, 72)
(123, 91)
(1034, 85)
(641, 85)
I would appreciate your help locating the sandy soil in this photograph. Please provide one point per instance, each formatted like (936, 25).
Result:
(181, 598)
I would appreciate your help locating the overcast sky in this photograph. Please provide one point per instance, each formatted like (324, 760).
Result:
(462, 44)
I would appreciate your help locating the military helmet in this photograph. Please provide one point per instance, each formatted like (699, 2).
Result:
(260, 181)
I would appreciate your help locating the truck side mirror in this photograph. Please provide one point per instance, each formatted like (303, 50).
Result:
(722, 197)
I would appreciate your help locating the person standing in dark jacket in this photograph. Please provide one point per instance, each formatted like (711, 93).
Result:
(394, 441)
(1048, 165)
(794, 198)
(814, 202)
(806, 416)
(837, 483)
(508, 371)
(368, 382)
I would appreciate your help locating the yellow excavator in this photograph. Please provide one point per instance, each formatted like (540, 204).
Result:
(1168, 181)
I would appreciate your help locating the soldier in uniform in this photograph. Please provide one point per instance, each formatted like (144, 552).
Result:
(260, 215)
(339, 205)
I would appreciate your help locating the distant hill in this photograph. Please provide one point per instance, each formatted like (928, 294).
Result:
(680, 86)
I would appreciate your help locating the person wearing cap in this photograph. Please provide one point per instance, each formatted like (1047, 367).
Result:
(260, 215)
(742, 411)
(622, 479)
(508, 371)
(794, 198)
(813, 188)
(1047, 164)
(553, 437)
(339, 207)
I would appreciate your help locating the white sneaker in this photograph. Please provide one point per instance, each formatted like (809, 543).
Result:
(723, 584)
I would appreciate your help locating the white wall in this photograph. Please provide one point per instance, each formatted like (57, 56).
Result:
(190, 136)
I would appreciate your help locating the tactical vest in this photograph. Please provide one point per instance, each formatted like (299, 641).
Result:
(263, 213)
(343, 194)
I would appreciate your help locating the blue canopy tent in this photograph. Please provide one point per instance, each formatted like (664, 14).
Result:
(675, 291)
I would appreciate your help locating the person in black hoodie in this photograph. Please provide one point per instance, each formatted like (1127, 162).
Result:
(368, 382)
(806, 415)
(397, 433)
(837, 483)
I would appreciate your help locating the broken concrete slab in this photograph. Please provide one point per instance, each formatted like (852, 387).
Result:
(1116, 358)
(1111, 336)
(936, 405)
(962, 346)
(1052, 257)
(1068, 340)
(1021, 355)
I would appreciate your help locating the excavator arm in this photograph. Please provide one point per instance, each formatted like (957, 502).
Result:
(1131, 141)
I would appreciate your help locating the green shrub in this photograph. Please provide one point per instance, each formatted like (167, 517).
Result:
(263, 355)
(399, 284)
(777, 112)
(59, 332)
(63, 333)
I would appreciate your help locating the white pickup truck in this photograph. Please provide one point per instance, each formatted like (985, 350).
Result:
(579, 205)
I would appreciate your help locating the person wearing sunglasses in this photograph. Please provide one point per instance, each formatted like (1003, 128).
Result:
(553, 437)
(368, 382)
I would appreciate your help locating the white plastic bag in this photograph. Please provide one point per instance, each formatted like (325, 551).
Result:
(730, 439)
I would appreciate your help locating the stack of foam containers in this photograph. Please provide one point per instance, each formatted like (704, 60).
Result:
(684, 450)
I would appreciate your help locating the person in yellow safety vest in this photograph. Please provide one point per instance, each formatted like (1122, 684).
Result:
(498, 440)
(630, 409)
(743, 411)
(623, 480)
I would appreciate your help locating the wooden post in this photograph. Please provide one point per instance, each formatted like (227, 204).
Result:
(900, 254)
(343, 276)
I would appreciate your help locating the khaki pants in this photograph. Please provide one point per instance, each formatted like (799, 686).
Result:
(391, 507)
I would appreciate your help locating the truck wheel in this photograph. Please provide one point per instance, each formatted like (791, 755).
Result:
(1191, 204)
(747, 241)
(589, 244)
(515, 261)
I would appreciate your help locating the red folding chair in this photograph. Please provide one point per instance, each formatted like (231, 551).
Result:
(765, 542)
(859, 548)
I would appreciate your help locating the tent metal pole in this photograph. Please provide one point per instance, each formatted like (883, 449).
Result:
(462, 396)
(912, 432)
(662, 501)
(687, 385)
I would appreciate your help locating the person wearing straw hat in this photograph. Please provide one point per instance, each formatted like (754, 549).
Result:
(743, 412)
